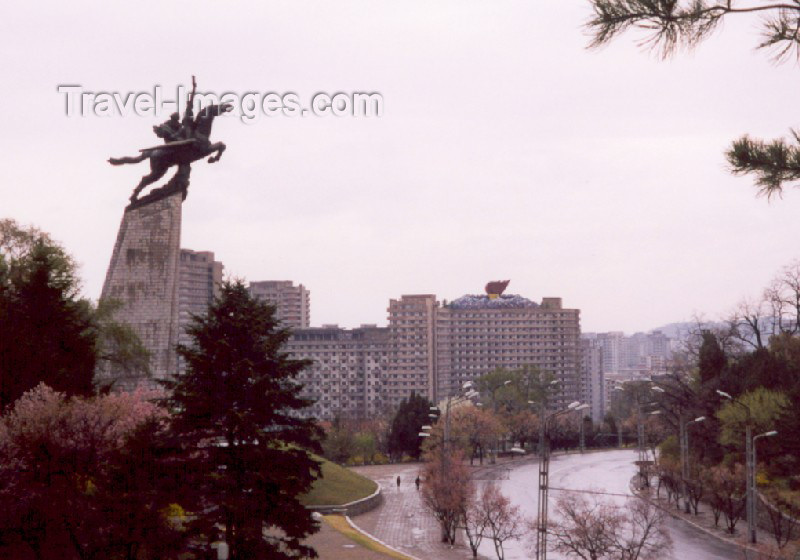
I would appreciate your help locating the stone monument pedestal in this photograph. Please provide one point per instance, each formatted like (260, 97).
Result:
(143, 276)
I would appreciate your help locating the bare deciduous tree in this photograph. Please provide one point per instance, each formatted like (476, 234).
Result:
(585, 527)
(503, 520)
(596, 529)
(473, 520)
(784, 297)
(726, 493)
(695, 490)
(753, 322)
(447, 491)
(643, 536)
(747, 323)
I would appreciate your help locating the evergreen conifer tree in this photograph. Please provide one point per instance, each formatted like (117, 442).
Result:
(244, 447)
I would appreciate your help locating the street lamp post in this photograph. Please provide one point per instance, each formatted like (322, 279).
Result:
(582, 438)
(640, 432)
(754, 497)
(545, 389)
(544, 473)
(468, 393)
(684, 444)
(641, 440)
(750, 468)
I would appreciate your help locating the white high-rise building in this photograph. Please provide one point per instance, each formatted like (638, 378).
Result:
(592, 362)
(412, 348)
(292, 303)
(479, 333)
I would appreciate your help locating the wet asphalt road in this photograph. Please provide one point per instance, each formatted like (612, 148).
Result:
(607, 471)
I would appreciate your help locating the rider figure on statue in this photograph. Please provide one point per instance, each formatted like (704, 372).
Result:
(184, 142)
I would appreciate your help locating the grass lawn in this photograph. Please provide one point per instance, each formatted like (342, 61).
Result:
(338, 486)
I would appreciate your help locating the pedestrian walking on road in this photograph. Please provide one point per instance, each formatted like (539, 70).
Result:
(398, 482)
(417, 481)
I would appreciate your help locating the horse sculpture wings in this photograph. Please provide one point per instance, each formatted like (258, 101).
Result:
(185, 142)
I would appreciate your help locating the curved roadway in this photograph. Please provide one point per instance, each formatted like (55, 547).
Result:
(606, 471)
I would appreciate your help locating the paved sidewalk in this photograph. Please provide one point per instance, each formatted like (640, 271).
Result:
(704, 521)
(332, 545)
(402, 521)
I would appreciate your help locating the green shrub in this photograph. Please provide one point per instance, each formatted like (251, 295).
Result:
(380, 459)
(355, 460)
(669, 449)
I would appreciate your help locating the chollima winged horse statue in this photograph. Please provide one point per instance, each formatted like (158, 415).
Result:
(185, 141)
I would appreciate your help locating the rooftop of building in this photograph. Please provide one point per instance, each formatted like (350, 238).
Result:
(483, 301)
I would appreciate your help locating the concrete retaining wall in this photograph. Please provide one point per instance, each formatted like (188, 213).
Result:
(764, 521)
(353, 508)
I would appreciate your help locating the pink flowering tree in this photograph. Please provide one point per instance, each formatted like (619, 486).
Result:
(79, 477)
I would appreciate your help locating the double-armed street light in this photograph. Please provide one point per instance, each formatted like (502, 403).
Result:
(749, 467)
(754, 498)
(582, 437)
(467, 394)
(543, 410)
(641, 438)
(684, 445)
(544, 473)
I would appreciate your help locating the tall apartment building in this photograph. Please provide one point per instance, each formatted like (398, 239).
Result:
(479, 333)
(347, 376)
(612, 345)
(412, 358)
(432, 349)
(626, 358)
(292, 303)
(640, 352)
(199, 278)
(592, 363)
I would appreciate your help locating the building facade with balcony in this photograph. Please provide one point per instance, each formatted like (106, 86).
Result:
(292, 303)
(346, 377)
(479, 333)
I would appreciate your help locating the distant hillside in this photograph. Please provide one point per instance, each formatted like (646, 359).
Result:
(680, 331)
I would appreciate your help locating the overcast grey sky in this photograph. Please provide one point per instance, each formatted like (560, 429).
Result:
(506, 151)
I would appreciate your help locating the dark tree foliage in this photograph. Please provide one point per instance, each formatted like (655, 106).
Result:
(759, 368)
(412, 414)
(670, 24)
(775, 368)
(244, 446)
(712, 359)
(139, 512)
(46, 333)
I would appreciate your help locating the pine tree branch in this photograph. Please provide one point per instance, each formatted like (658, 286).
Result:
(673, 25)
(774, 163)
